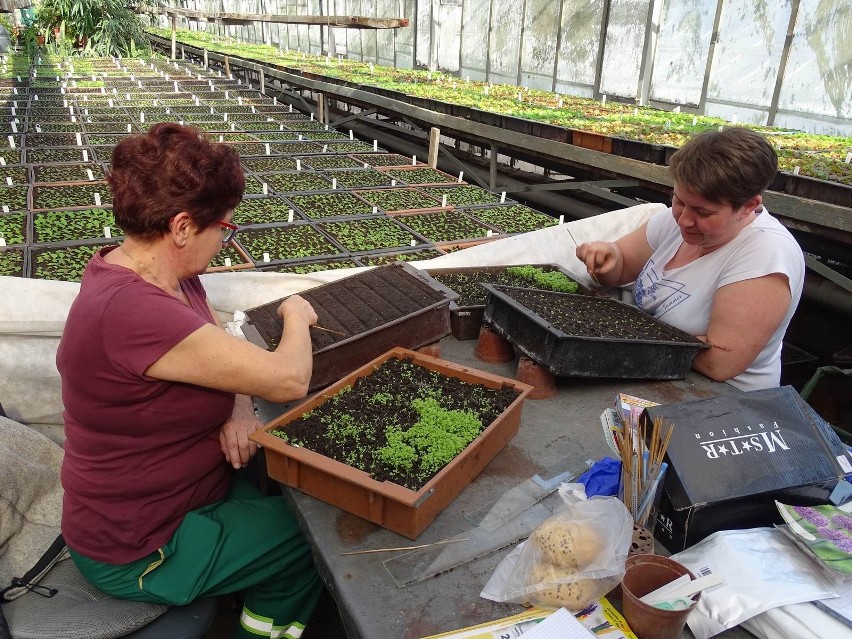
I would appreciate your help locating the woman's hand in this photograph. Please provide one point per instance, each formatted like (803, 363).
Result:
(602, 261)
(297, 308)
(233, 437)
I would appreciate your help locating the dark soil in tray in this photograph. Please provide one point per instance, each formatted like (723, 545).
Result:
(353, 305)
(467, 285)
(383, 423)
(584, 316)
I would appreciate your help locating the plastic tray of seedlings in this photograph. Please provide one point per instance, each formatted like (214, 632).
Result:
(401, 200)
(383, 258)
(333, 205)
(231, 258)
(285, 243)
(421, 176)
(586, 336)
(384, 159)
(511, 218)
(467, 281)
(361, 317)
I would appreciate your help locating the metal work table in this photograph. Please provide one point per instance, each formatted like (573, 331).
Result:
(563, 431)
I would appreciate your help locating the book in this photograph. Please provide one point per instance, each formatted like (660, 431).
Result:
(824, 531)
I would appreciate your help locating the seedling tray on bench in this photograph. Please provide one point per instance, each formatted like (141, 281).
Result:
(396, 507)
(580, 335)
(394, 305)
(466, 312)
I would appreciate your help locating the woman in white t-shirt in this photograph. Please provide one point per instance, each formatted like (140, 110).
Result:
(716, 264)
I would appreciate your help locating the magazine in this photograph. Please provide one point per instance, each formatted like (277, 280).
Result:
(825, 532)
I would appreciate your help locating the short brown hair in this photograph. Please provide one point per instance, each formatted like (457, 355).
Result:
(169, 169)
(732, 165)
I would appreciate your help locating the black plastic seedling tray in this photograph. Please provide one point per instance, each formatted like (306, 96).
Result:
(466, 313)
(369, 312)
(585, 336)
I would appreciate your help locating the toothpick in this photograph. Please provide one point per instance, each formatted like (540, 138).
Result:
(323, 328)
(437, 543)
(591, 273)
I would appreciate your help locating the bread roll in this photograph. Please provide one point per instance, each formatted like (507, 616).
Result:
(568, 544)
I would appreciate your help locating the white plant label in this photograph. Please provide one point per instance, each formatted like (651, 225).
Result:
(413, 160)
(489, 233)
(107, 232)
(85, 155)
(5, 208)
(351, 135)
(796, 169)
(333, 184)
(375, 210)
(393, 182)
(90, 174)
(413, 242)
(2, 240)
(461, 176)
(444, 200)
(375, 145)
(97, 199)
(502, 197)
(298, 165)
(265, 188)
(848, 157)
(38, 128)
(694, 120)
(325, 148)
(266, 257)
(130, 127)
(221, 138)
(562, 219)
(142, 117)
(9, 181)
(233, 126)
(2, 161)
(266, 145)
(14, 128)
(227, 261)
(11, 141)
(290, 215)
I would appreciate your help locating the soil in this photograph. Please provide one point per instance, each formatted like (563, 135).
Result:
(402, 381)
(584, 316)
(352, 306)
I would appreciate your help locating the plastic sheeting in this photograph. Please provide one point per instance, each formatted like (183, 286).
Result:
(33, 312)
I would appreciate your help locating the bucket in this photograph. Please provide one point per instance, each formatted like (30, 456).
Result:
(644, 574)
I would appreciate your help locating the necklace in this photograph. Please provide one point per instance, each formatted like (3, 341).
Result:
(148, 271)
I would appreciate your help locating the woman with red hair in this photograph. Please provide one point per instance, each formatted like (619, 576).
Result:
(157, 401)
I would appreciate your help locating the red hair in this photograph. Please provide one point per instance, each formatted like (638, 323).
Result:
(169, 169)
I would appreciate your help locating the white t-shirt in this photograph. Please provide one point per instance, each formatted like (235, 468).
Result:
(683, 297)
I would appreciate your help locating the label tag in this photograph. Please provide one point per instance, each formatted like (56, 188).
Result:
(9, 181)
(290, 215)
(97, 199)
(107, 232)
(266, 257)
(90, 174)
(5, 208)
(265, 188)
(227, 261)
(2, 240)
(85, 155)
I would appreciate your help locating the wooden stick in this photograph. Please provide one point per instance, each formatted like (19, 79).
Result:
(323, 328)
(437, 543)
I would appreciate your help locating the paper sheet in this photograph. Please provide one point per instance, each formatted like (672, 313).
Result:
(560, 625)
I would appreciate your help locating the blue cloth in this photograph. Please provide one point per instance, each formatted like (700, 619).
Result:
(602, 478)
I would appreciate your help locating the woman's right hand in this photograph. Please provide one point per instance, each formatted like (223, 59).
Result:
(297, 308)
(600, 258)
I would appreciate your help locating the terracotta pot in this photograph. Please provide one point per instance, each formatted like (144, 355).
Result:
(537, 376)
(492, 347)
(390, 505)
(644, 574)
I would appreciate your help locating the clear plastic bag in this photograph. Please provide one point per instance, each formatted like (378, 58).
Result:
(571, 559)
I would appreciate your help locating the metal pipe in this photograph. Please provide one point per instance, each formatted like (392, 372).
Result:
(828, 294)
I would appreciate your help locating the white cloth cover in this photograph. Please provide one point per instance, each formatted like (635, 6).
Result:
(30, 501)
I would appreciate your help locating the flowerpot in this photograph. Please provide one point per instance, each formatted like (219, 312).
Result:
(586, 336)
(390, 505)
(537, 376)
(369, 312)
(644, 574)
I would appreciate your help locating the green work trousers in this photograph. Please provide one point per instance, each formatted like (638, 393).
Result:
(244, 542)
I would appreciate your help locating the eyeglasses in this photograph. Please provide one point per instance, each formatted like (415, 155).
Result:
(228, 231)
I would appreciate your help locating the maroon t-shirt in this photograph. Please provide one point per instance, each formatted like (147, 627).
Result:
(139, 452)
